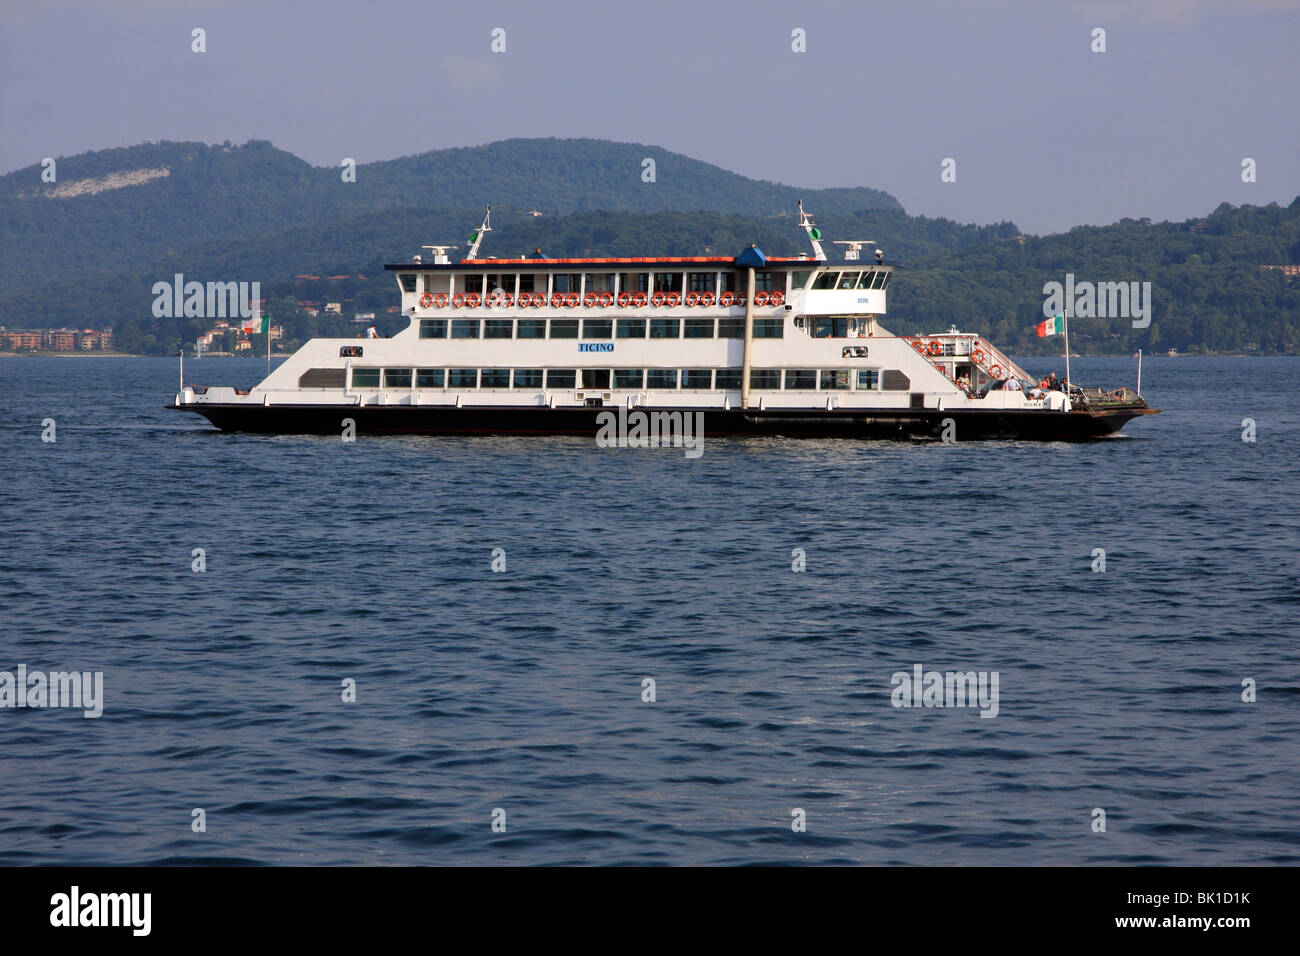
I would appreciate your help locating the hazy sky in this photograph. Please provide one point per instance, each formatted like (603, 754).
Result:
(1043, 130)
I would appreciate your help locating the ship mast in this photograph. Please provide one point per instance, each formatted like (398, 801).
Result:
(814, 234)
(477, 238)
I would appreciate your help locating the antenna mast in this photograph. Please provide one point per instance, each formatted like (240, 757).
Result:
(477, 238)
(814, 234)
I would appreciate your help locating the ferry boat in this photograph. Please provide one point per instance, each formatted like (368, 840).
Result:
(758, 344)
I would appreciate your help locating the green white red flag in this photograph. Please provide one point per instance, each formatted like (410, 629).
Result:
(1053, 326)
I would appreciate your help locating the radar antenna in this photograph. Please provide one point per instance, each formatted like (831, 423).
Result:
(440, 252)
(814, 234)
(477, 238)
(851, 254)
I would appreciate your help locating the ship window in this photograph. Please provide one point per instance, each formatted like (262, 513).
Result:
(825, 281)
(800, 279)
(498, 328)
(878, 281)
(566, 282)
(868, 378)
(532, 328)
(848, 280)
(474, 282)
(831, 327)
(526, 282)
(769, 328)
(700, 281)
(668, 282)
(629, 378)
(323, 378)
(408, 281)
(835, 379)
(561, 377)
(697, 378)
(464, 328)
(662, 378)
(864, 280)
(892, 380)
(631, 328)
(462, 377)
(503, 283)
(665, 328)
(699, 328)
(731, 328)
(429, 377)
(728, 378)
(597, 328)
(634, 282)
(397, 378)
(730, 282)
(600, 282)
(365, 378)
(564, 328)
(528, 378)
(351, 351)
(433, 328)
(885, 283)
(765, 378)
(495, 378)
(800, 378)
(595, 378)
(765, 281)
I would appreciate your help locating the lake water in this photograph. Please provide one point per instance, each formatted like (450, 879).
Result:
(522, 689)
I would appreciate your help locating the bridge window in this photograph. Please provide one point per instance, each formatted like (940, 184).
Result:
(433, 328)
(661, 378)
(564, 328)
(495, 378)
(728, 378)
(731, 328)
(868, 378)
(864, 280)
(528, 378)
(498, 328)
(769, 328)
(879, 278)
(464, 328)
(462, 377)
(561, 377)
(848, 280)
(800, 378)
(408, 281)
(835, 379)
(697, 378)
(597, 328)
(699, 328)
(629, 378)
(595, 378)
(825, 281)
(532, 329)
(631, 328)
(665, 328)
(765, 378)
(397, 378)
(800, 279)
(365, 378)
(430, 377)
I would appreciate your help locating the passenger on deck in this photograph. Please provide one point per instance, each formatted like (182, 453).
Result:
(1011, 385)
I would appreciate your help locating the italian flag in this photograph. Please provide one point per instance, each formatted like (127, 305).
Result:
(262, 323)
(1053, 326)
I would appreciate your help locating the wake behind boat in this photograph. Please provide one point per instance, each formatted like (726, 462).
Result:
(760, 345)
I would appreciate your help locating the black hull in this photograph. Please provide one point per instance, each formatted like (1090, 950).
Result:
(897, 424)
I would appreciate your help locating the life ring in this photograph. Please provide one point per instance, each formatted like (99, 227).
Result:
(426, 300)
(692, 298)
(740, 299)
(498, 300)
(539, 300)
(659, 298)
(776, 298)
(936, 348)
(571, 300)
(706, 298)
(625, 299)
(728, 298)
(674, 298)
(557, 300)
(640, 298)
(606, 299)
(440, 300)
(995, 371)
(760, 298)
(977, 356)
(472, 300)
(590, 300)
(458, 300)
(918, 345)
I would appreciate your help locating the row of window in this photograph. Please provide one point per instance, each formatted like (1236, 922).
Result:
(729, 328)
(583, 282)
(654, 378)
(853, 279)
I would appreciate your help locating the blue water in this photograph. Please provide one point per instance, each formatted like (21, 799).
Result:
(521, 690)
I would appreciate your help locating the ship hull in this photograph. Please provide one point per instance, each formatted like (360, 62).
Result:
(897, 424)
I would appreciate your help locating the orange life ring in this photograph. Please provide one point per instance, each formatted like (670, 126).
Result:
(458, 300)
(571, 300)
(606, 299)
(936, 348)
(918, 345)
(539, 300)
(995, 371)
(674, 298)
(625, 299)
(426, 300)
(640, 298)
(472, 300)
(659, 298)
(727, 298)
(590, 300)
(440, 300)
(776, 298)
(977, 356)
(706, 298)
(692, 298)
(557, 300)
(760, 298)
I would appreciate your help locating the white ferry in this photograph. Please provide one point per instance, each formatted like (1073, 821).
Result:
(759, 344)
